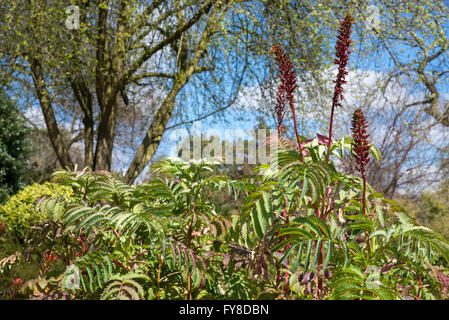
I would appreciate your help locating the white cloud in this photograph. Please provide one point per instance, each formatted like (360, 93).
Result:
(35, 116)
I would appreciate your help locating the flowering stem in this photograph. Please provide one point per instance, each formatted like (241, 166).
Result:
(329, 143)
(342, 53)
(419, 288)
(361, 148)
(364, 194)
(285, 91)
(296, 130)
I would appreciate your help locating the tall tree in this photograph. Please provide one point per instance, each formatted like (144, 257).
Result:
(115, 45)
(415, 37)
(88, 76)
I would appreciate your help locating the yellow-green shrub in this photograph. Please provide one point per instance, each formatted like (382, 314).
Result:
(18, 213)
(431, 209)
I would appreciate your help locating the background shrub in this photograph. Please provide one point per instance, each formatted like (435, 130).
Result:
(431, 208)
(17, 213)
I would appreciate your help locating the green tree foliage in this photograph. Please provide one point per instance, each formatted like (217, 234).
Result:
(86, 72)
(431, 209)
(419, 27)
(14, 148)
(90, 75)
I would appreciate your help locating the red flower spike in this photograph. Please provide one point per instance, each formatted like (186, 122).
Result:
(286, 89)
(361, 146)
(342, 52)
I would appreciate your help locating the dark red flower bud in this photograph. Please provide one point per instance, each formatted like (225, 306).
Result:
(286, 90)
(361, 147)
(361, 144)
(342, 52)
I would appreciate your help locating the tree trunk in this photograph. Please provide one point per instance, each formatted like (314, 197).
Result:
(153, 137)
(106, 133)
(47, 109)
(88, 142)
(84, 98)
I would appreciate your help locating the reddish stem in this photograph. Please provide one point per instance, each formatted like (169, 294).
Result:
(292, 106)
(419, 288)
(364, 195)
(329, 143)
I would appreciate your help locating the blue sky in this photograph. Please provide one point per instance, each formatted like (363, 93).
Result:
(246, 116)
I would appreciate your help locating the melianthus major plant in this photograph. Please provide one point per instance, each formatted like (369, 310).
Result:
(305, 230)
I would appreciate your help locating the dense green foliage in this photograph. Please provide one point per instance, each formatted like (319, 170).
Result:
(165, 240)
(431, 208)
(18, 213)
(14, 148)
(18, 219)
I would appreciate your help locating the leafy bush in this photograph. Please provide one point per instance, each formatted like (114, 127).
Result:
(18, 213)
(20, 261)
(431, 209)
(165, 240)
